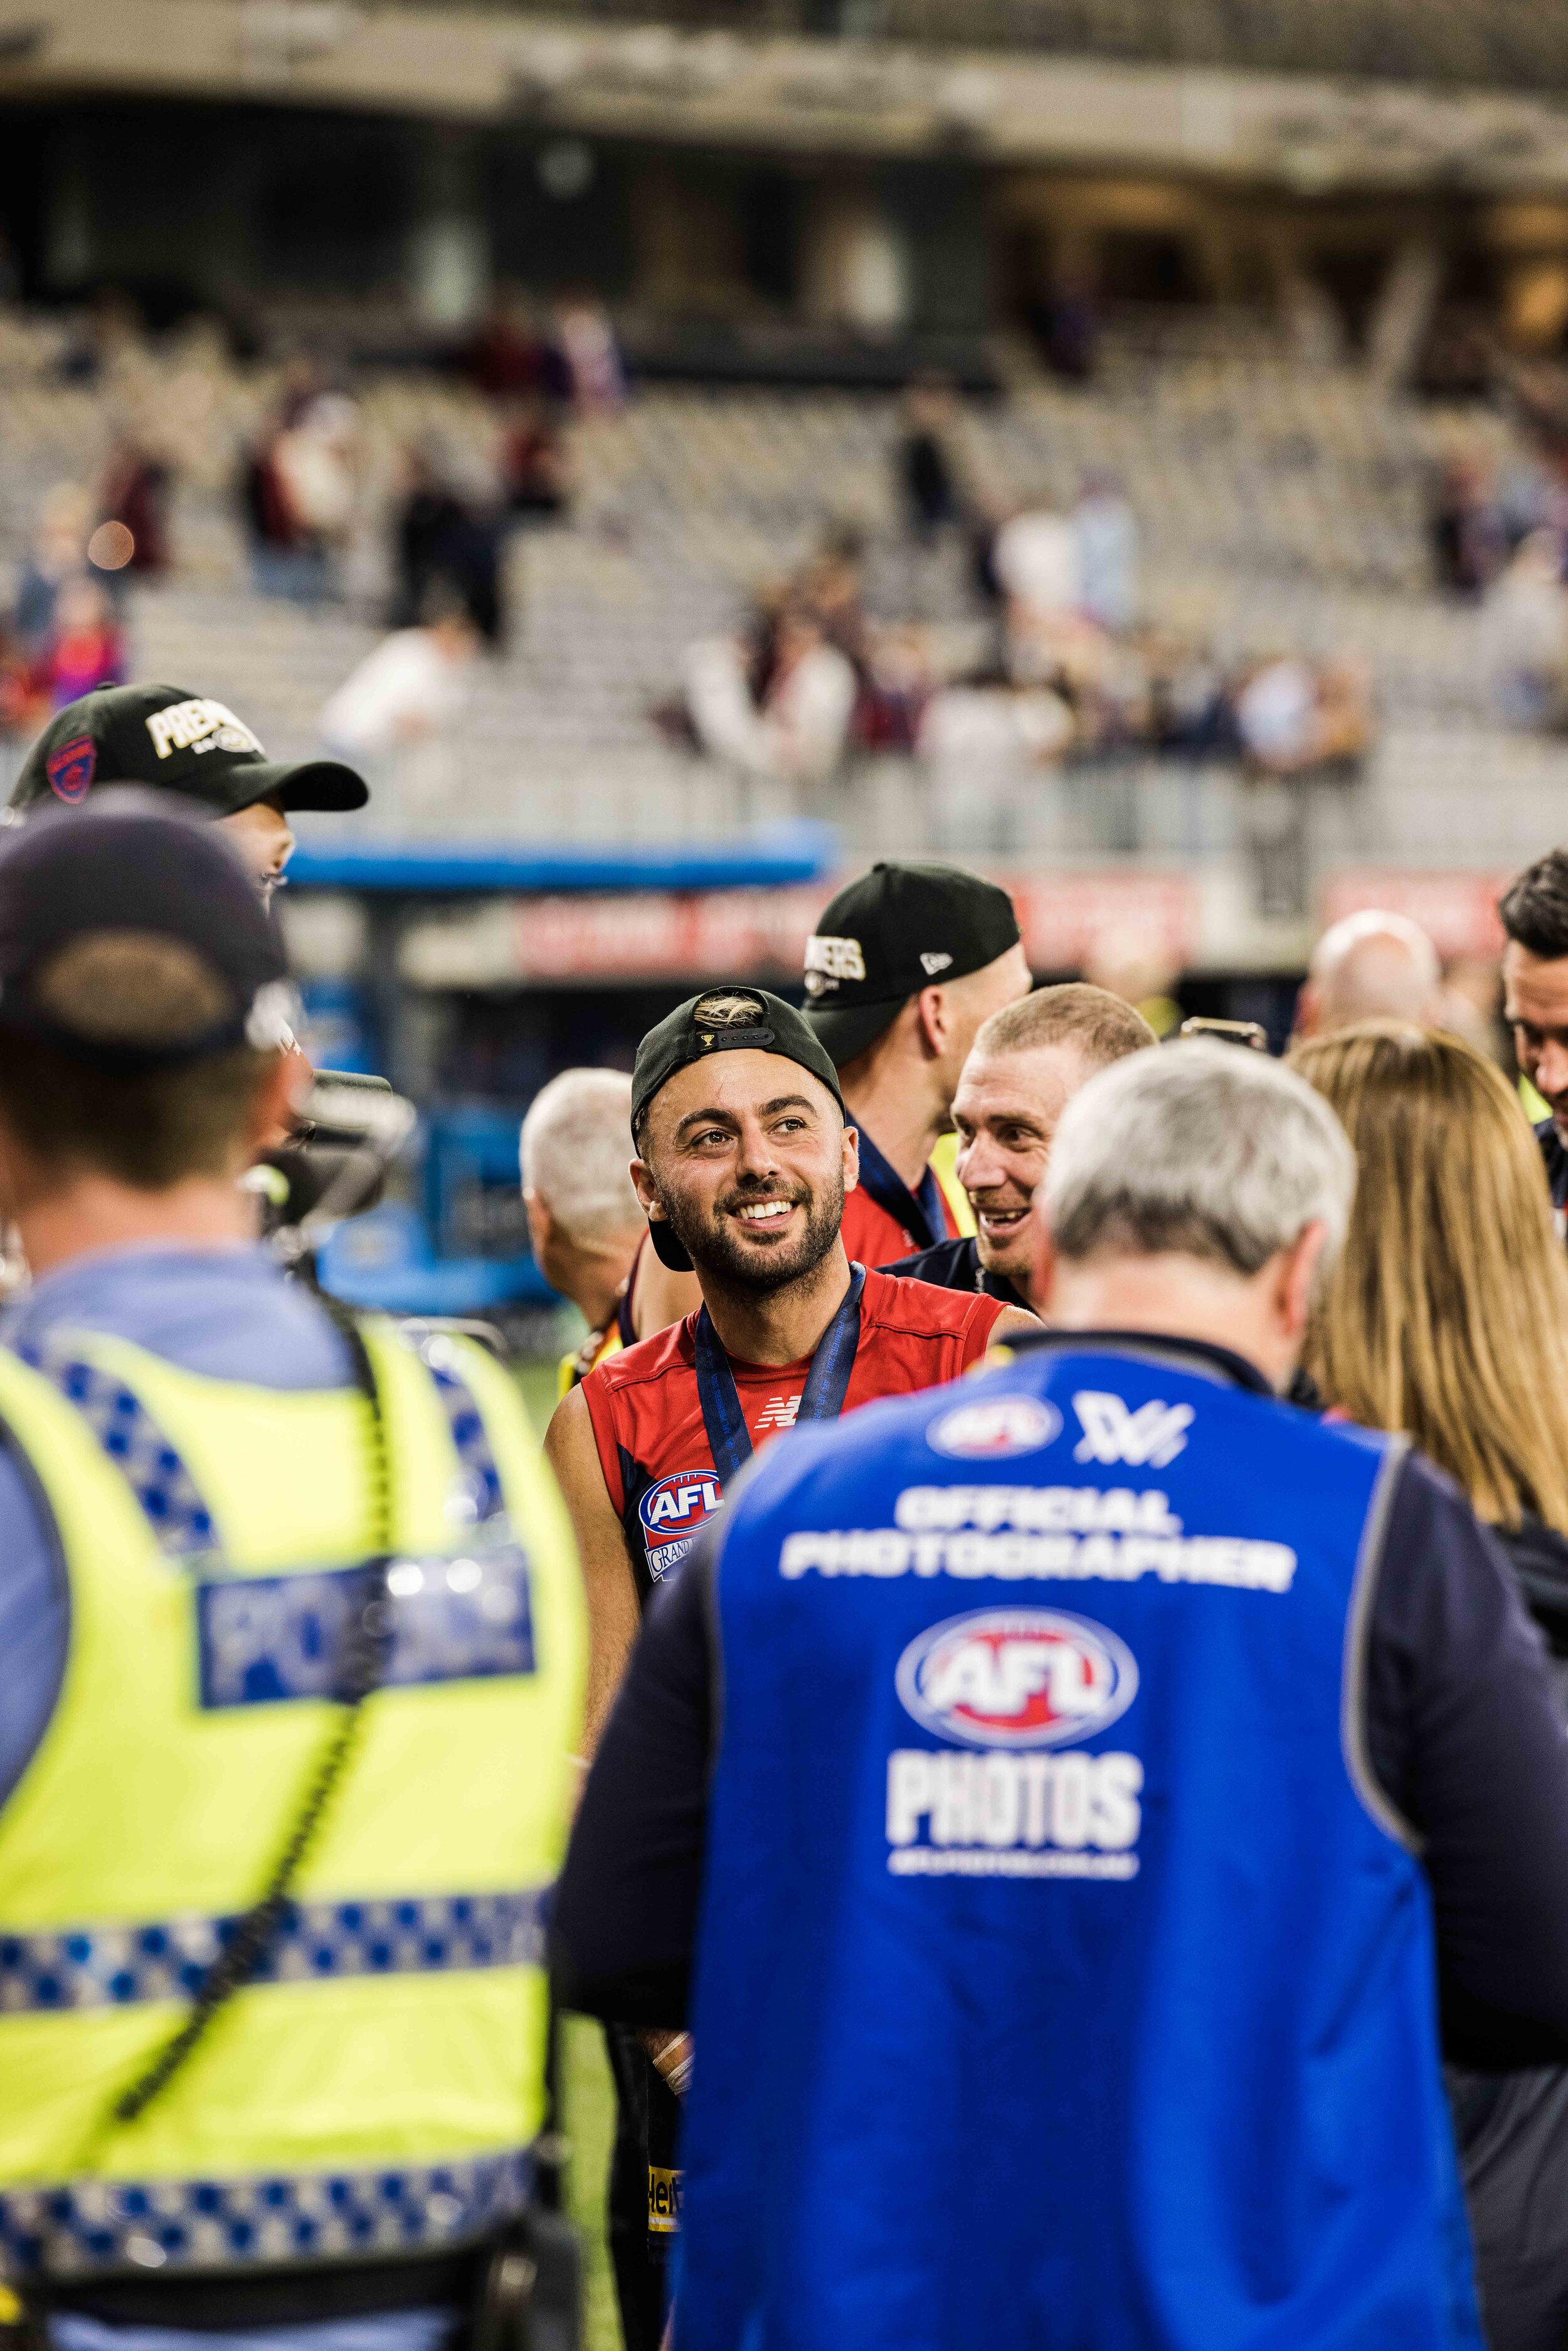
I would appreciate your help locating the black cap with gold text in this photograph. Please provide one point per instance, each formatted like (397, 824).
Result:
(724, 1020)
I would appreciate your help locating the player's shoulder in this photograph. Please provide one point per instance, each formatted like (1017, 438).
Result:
(949, 1265)
(906, 1308)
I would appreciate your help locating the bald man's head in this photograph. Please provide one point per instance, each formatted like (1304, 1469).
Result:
(1370, 966)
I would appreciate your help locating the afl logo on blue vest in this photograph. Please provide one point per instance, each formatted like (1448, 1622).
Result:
(674, 1512)
(1017, 1677)
(995, 1427)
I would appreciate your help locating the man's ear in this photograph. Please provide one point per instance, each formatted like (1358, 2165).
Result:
(852, 1159)
(932, 1021)
(1305, 1024)
(279, 1099)
(1295, 1284)
(647, 1191)
(20, 1176)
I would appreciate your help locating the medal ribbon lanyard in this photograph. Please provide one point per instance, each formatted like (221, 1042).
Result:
(729, 1439)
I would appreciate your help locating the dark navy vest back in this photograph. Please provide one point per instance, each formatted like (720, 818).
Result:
(1064, 1983)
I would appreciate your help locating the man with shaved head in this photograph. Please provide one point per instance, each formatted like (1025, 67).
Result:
(1373, 966)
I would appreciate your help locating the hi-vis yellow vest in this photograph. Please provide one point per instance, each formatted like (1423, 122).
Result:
(374, 2091)
(943, 1164)
(572, 1369)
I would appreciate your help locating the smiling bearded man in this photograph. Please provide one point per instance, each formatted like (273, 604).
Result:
(743, 1159)
(745, 1154)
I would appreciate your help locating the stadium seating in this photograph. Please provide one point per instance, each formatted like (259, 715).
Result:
(1280, 503)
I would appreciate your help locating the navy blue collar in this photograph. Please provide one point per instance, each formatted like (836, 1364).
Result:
(729, 1439)
(920, 1213)
(1234, 1369)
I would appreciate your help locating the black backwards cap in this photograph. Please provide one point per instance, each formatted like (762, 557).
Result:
(180, 742)
(133, 866)
(730, 1019)
(896, 930)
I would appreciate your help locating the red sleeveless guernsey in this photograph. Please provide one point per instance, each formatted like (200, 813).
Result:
(648, 1421)
(874, 1236)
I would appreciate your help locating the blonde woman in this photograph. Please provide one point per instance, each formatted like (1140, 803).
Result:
(1446, 1317)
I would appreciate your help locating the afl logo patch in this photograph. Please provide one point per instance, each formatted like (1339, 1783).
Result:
(70, 769)
(993, 1427)
(673, 1513)
(1017, 1677)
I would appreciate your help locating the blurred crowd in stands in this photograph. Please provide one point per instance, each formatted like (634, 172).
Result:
(300, 486)
(65, 632)
(1067, 654)
(301, 495)
(450, 517)
(1499, 529)
(1072, 664)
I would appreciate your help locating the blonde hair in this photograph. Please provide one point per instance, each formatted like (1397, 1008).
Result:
(1096, 1023)
(1447, 1315)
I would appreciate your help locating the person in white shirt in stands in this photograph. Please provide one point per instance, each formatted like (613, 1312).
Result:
(792, 723)
(406, 697)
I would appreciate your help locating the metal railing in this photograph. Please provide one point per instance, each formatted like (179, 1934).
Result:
(1502, 44)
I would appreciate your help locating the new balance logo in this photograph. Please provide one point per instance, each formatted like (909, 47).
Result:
(778, 1412)
(1146, 1438)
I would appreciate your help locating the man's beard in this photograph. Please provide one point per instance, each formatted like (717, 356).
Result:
(714, 1248)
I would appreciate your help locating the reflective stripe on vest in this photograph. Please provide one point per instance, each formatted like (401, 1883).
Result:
(378, 2085)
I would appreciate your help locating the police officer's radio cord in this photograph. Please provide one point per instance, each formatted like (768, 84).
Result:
(363, 1666)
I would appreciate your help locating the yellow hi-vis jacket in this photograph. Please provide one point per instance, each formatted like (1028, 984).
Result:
(944, 1167)
(374, 2090)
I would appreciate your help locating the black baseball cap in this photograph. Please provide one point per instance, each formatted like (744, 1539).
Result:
(730, 1019)
(131, 865)
(896, 930)
(180, 742)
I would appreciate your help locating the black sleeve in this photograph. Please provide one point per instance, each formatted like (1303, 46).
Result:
(626, 1905)
(1465, 1736)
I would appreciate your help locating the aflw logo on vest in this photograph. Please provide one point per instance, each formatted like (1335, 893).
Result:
(1147, 1438)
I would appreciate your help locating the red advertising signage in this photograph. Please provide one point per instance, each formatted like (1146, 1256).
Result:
(1067, 919)
(1456, 911)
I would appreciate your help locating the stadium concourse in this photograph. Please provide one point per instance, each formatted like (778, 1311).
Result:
(1282, 506)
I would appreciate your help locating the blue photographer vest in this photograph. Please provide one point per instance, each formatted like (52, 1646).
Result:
(1064, 1981)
